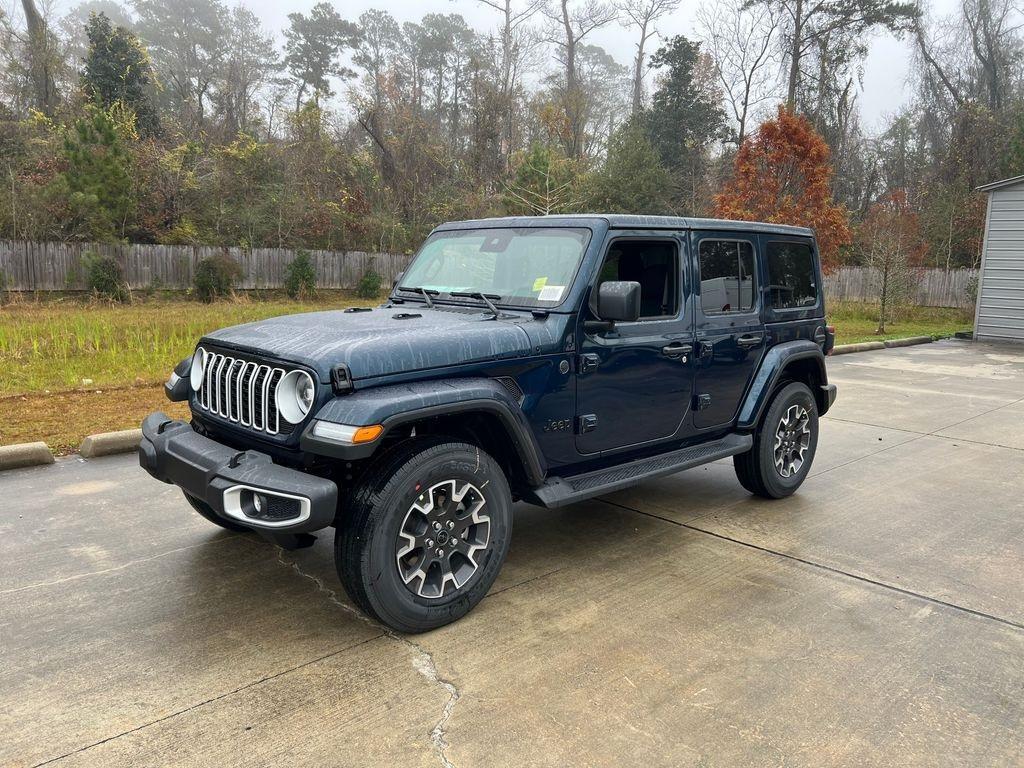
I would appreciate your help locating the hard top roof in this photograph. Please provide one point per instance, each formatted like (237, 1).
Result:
(629, 221)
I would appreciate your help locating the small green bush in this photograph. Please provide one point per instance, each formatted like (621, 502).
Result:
(3, 287)
(369, 285)
(300, 277)
(215, 277)
(104, 277)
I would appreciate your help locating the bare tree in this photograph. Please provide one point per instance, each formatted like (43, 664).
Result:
(742, 42)
(516, 44)
(808, 22)
(643, 14)
(571, 24)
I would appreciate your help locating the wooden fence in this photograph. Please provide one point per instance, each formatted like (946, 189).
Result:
(58, 267)
(937, 287)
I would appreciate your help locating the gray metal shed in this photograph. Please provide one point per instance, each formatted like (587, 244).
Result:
(999, 315)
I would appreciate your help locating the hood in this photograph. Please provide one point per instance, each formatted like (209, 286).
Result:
(381, 341)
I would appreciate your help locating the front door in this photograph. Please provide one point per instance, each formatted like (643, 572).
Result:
(634, 384)
(730, 336)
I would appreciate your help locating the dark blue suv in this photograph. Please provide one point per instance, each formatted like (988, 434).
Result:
(545, 359)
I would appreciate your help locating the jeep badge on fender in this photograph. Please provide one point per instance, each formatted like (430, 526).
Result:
(546, 359)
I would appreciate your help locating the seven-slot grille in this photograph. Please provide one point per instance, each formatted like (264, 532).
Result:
(242, 391)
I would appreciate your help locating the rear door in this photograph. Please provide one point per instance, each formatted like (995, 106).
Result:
(730, 335)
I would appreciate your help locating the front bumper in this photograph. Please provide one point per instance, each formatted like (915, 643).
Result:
(171, 451)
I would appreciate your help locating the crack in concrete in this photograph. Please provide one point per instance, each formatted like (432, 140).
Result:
(422, 661)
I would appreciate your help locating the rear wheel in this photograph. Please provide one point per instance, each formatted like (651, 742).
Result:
(784, 445)
(206, 511)
(426, 533)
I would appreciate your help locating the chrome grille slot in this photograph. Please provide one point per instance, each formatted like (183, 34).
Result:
(242, 391)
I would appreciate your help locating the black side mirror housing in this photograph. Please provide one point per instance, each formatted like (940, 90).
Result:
(397, 280)
(618, 301)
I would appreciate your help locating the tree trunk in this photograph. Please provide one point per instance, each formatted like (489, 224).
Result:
(573, 110)
(39, 51)
(638, 71)
(795, 54)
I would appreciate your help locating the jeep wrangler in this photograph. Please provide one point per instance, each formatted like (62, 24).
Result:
(546, 359)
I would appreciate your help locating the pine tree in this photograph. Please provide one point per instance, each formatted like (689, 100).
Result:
(117, 70)
(97, 181)
(632, 179)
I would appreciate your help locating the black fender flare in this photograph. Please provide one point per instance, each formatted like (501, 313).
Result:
(772, 367)
(397, 404)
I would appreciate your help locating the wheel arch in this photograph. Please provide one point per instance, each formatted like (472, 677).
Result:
(477, 410)
(801, 361)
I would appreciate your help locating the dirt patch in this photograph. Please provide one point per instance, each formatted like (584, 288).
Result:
(62, 420)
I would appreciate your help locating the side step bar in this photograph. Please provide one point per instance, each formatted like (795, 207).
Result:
(559, 491)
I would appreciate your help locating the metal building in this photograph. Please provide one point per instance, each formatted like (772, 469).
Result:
(999, 315)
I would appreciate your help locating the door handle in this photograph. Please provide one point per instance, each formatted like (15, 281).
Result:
(677, 350)
(748, 340)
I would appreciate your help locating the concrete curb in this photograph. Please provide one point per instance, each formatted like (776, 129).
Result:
(865, 346)
(909, 341)
(108, 443)
(24, 455)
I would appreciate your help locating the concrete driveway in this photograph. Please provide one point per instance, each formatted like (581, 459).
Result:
(876, 618)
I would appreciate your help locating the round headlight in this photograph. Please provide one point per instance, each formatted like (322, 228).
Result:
(305, 393)
(295, 393)
(198, 371)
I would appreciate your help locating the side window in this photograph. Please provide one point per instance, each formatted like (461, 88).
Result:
(726, 276)
(792, 282)
(652, 263)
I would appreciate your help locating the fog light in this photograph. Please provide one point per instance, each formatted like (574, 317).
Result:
(265, 509)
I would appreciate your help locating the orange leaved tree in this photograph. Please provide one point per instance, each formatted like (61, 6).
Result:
(781, 175)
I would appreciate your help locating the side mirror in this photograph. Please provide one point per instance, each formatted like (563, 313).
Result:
(619, 301)
(398, 279)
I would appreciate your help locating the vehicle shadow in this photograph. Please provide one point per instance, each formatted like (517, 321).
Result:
(250, 580)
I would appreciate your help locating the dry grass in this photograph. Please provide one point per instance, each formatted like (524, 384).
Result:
(63, 420)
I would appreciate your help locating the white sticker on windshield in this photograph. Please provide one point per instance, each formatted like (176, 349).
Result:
(551, 293)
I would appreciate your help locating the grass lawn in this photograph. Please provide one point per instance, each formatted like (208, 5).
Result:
(72, 343)
(857, 322)
(73, 367)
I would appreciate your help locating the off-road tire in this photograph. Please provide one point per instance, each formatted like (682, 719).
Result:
(206, 511)
(756, 469)
(365, 540)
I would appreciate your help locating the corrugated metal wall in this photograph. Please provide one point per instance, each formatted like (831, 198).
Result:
(1000, 312)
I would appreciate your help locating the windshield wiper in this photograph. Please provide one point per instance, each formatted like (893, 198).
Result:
(426, 293)
(484, 297)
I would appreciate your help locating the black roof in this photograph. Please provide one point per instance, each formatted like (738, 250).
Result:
(629, 221)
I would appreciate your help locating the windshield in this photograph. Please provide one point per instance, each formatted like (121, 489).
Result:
(525, 266)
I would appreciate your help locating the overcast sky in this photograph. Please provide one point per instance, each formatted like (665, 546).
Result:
(885, 71)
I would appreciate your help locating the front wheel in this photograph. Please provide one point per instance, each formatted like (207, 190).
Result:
(784, 445)
(426, 533)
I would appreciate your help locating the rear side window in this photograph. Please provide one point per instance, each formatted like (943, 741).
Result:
(726, 276)
(792, 283)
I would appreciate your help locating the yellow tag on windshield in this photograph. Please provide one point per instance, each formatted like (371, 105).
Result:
(539, 283)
